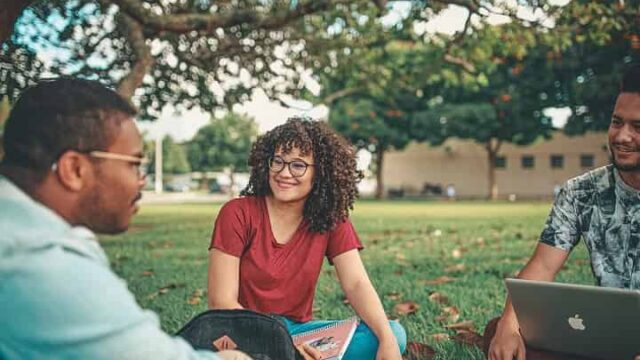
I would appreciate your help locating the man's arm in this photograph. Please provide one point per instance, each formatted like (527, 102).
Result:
(58, 304)
(543, 265)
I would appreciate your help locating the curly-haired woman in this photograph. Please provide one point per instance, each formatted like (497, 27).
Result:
(268, 246)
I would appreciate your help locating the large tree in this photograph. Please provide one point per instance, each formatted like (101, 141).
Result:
(204, 53)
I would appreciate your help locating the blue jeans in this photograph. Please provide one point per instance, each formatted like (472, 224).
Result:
(364, 344)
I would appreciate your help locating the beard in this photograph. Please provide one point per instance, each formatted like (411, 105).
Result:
(99, 215)
(622, 167)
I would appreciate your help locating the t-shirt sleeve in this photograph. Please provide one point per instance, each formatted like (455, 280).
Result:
(342, 239)
(561, 228)
(231, 229)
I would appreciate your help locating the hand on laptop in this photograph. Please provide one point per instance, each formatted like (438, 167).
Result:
(507, 343)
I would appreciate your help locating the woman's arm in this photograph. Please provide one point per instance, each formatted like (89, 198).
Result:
(224, 280)
(365, 301)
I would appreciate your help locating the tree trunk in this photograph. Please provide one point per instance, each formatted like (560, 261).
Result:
(9, 13)
(379, 181)
(492, 148)
(232, 182)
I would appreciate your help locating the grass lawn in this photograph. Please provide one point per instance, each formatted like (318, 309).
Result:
(460, 250)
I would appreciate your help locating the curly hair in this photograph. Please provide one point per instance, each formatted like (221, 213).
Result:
(336, 176)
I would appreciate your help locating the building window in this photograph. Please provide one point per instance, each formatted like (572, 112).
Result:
(501, 162)
(528, 161)
(586, 160)
(557, 161)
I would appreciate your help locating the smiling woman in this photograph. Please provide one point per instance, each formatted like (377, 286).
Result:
(268, 247)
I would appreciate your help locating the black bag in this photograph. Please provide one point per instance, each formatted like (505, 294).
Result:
(260, 336)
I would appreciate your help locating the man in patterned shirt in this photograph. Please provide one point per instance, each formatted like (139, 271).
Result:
(602, 207)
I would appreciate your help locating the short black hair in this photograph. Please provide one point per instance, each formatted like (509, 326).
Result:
(57, 115)
(631, 80)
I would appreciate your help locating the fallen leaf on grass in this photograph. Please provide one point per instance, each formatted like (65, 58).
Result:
(469, 338)
(455, 268)
(165, 289)
(438, 281)
(196, 297)
(463, 325)
(406, 307)
(418, 351)
(401, 257)
(449, 313)
(440, 337)
(147, 273)
(395, 296)
(439, 298)
(456, 253)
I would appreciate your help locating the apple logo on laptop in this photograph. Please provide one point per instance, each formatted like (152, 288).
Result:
(576, 323)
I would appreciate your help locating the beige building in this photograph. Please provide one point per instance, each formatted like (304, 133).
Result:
(526, 171)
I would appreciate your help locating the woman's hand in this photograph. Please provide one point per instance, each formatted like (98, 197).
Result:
(309, 352)
(389, 350)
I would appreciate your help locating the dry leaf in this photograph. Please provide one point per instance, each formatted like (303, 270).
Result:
(438, 281)
(400, 257)
(194, 301)
(196, 297)
(456, 253)
(469, 337)
(165, 289)
(147, 273)
(449, 313)
(406, 307)
(455, 268)
(440, 337)
(418, 351)
(463, 325)
(393, 296)
(439, 298)
(437, 232)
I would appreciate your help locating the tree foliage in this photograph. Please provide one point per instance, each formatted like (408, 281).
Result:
(223, 143)
(174, 156)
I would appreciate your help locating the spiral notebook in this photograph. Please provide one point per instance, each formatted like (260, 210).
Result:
(331, 340)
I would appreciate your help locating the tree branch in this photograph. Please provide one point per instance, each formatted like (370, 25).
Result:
(143, 59)
(182, 23)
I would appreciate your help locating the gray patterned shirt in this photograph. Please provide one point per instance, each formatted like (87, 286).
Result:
(599, 207)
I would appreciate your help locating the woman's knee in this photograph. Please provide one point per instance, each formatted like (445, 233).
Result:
(400, 334)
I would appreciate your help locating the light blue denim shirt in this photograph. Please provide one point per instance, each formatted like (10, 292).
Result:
(59, 298)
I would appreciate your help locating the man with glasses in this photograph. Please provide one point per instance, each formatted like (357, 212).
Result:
(73, 166)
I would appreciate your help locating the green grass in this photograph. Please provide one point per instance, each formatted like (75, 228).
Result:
(164, 260)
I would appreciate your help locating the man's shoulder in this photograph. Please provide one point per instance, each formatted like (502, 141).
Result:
(593, 181)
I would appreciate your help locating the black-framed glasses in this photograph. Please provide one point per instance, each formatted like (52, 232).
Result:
(297, 168)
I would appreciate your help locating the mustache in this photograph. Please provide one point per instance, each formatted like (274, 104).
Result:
(623, 147)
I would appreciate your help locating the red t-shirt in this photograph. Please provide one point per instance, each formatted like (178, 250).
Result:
(276, 278)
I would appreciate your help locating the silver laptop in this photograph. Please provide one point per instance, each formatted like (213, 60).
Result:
(577, 319)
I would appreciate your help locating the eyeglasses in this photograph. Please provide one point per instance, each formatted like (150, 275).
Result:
(297, 168)
(140, 162)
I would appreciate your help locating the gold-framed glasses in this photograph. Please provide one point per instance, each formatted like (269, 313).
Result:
(140, 162)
